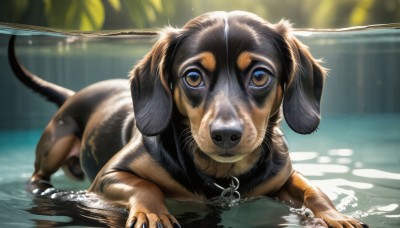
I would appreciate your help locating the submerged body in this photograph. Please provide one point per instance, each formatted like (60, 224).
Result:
(202, 108)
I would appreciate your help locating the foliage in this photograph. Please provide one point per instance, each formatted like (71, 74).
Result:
(75, 14)
(125, 14)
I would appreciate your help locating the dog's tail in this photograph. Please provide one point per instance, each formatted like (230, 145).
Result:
(52, 92)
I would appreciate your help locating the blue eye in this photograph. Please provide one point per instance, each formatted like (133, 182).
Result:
(260, 78)
(193, 78)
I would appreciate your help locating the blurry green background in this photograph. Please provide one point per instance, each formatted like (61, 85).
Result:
(134, 14)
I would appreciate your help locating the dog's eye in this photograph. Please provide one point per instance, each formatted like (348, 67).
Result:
(193, 78)
(259, 78)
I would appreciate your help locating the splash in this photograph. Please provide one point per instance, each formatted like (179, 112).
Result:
(306, 215)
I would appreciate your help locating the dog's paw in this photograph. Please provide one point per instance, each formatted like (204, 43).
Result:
(335, 219)
(37, 186)
(151, 220)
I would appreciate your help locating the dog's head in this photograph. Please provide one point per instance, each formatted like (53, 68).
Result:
(227, 74)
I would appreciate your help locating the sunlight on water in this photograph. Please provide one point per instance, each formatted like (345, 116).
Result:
(373, 173)
(336, 187)
(303, 156)
(346, 193)
(320, 169)
(341, 152)
(390, 207)
(384, 210)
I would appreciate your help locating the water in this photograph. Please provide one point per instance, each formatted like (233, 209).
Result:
(354, 156)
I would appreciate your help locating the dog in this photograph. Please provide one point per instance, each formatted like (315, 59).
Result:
(201, 111)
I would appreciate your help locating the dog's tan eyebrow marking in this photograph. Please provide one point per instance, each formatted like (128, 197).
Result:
(245, 58)
(206, 59)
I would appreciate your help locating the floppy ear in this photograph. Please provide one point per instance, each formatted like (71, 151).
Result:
(303, 85)
(151, 94)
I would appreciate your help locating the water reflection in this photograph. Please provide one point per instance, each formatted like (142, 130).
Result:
(260, 212)
(374, 173)
(390, 207)
(310, 169)
(341, 152)
(303, 156)
(363, 193)
(384, 210)
(73, 213)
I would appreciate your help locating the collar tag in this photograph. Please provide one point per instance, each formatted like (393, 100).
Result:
(230, 196)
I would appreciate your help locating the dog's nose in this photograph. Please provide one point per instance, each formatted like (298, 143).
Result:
(226, 134)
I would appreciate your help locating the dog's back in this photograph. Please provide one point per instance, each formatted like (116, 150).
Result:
(75, 136)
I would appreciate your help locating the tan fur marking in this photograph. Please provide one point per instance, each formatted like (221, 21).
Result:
(59, 151)
(178, 100)
(92, 144)
(244, 60)
(148, 169)
(208, 61)
(195, 114)
(260, 116)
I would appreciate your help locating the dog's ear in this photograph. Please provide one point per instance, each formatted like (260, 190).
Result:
(303, 83)
(151, 92)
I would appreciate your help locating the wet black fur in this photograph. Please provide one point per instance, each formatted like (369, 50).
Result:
(156, 116)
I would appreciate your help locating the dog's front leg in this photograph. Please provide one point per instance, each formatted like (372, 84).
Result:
(144, 199)
(301, 192)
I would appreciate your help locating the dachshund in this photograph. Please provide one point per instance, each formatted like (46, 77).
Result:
(201, 111)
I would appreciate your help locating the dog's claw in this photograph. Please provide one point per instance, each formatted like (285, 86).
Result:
(145, 220)
(132, 225)
(364, 225)
(144, 225)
